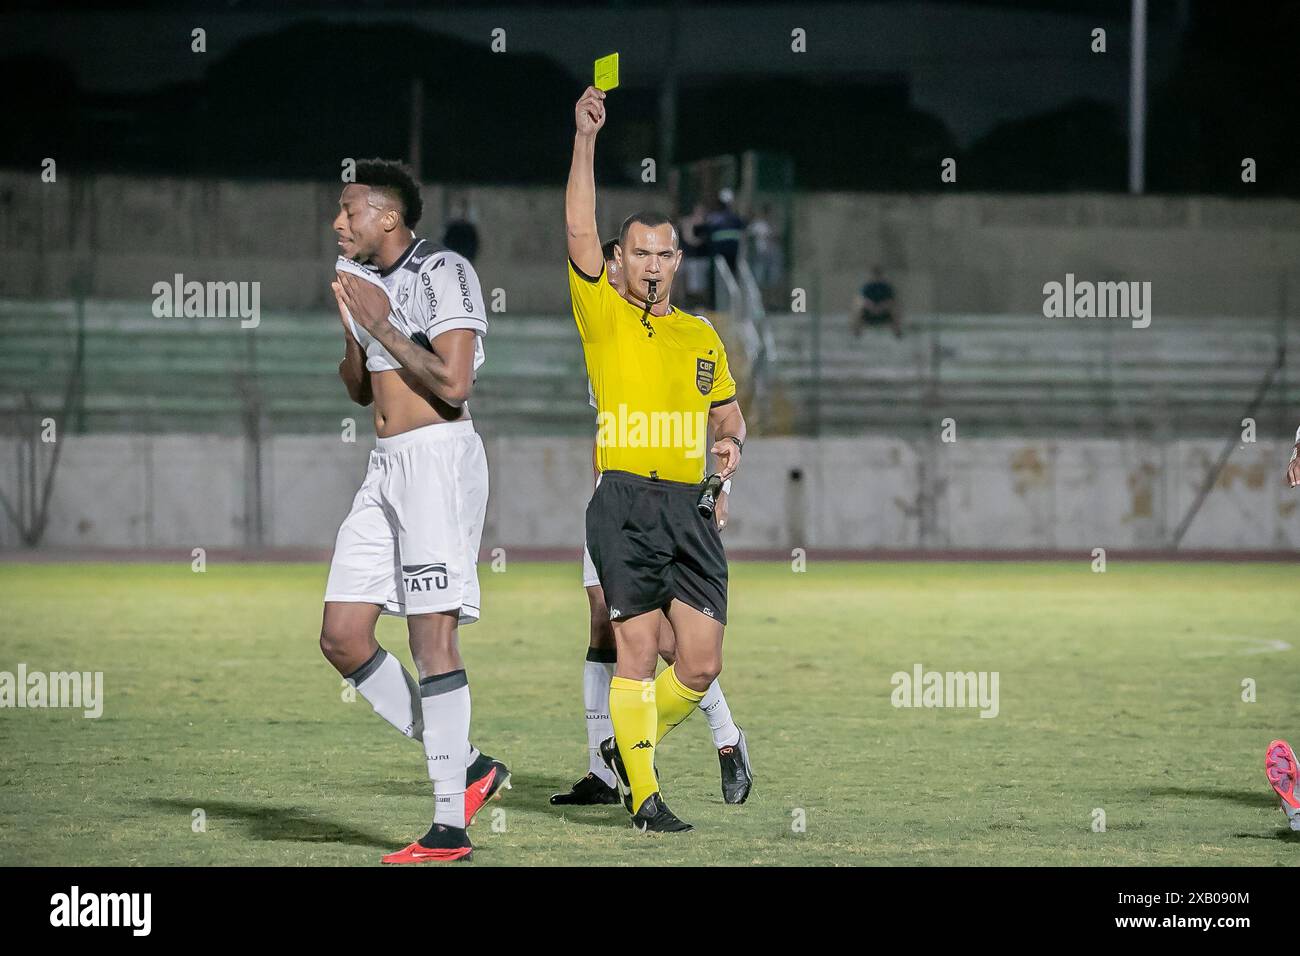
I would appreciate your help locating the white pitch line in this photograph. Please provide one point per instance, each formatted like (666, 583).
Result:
(1263, 645)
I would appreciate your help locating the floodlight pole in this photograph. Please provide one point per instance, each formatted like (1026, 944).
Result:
(1137, 99)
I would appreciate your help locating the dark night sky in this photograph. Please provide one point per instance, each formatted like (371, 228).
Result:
(970, 64)
(883, 83)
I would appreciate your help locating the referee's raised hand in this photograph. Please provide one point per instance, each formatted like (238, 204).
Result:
(590, 111)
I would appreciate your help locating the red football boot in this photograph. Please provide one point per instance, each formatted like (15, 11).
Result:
(442, 844)
(484, 781)
(1280, 766)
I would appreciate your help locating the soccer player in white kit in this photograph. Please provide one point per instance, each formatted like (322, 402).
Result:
(597, 786)
(413, 323)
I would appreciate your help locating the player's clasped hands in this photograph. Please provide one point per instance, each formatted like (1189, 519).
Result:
(367, 303)
(590, 111)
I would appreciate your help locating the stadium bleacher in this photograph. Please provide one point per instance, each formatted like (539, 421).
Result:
(209, 375)
(998, 374)
(1028, 375)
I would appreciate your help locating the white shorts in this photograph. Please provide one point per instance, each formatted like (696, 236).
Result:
(589, 577)
(410, 543)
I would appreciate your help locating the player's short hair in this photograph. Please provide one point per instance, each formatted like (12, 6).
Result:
(607, 250)
(647, 218)
(398, 179)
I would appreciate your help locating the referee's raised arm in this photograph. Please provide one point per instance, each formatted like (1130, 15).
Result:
(580, 194)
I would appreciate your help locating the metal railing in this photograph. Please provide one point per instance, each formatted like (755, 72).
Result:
(740, 299)
(1025, 375)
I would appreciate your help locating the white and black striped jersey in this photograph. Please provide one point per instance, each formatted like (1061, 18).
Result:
(431, 290)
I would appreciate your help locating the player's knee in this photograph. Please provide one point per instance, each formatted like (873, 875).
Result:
(636, 660)
(437, 647)
(337, 643)
(698, 674)
(435, 644)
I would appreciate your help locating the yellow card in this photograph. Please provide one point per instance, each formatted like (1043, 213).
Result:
(607, 72)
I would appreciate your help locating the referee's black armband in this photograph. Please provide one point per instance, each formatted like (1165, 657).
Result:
(582, 275)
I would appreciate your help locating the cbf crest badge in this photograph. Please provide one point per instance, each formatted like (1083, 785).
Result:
(704, 375)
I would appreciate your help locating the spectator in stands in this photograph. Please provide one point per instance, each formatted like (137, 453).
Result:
(875, 305)
(764, 249)
(725, 229)
(695, 254)
(460, 235)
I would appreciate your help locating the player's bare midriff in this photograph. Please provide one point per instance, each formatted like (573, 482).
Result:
(403, 404)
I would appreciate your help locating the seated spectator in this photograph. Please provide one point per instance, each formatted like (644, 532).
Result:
(875, 306)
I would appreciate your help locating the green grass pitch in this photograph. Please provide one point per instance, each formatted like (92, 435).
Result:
(1120, 691)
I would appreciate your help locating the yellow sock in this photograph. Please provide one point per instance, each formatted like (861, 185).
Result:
(673, 700)
(632, 711)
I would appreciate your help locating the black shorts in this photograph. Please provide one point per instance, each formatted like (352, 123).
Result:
(649, 545)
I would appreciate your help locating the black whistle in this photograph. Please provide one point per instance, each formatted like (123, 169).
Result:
(708, 499)
(651, 296)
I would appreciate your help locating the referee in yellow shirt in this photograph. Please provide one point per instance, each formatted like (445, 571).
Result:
(659, 376)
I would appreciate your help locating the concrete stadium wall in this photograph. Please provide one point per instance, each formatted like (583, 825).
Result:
(982, 253)
(124, 234)
(956, 253)
(186, 491)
